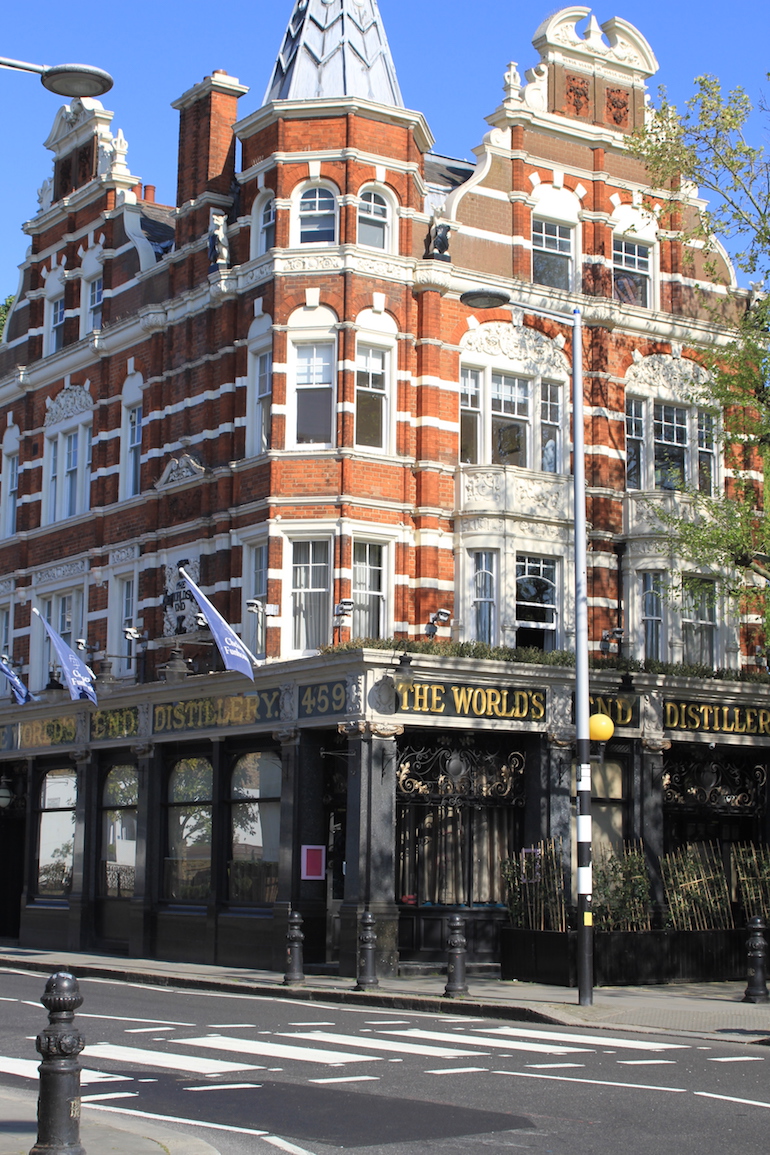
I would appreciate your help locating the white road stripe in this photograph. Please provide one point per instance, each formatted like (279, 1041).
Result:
(223, 1087)
(607, 1040)
(645, 1062)
(145, 1030)
(29, 1069)
(157, 1023)
(274, 1050)
(593, 1082)
(738, 1059)
(553, 1066)
(455, 1070)
(175, 1119)
(284, 1145)
(112, 1095)
(730, 1099)
(349, 1079)
(378, 1044)
(486, 1041)
(189, 1063)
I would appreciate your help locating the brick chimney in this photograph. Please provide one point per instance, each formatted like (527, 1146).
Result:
(208, 112)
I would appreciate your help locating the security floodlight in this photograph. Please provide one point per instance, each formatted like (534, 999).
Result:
(343, 608)
(66, 79)
(81, 643)
(254, 605)
(131, 634)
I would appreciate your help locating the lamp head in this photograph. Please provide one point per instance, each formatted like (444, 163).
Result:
(600, 727)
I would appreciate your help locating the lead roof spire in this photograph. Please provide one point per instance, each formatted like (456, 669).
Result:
(335, 48)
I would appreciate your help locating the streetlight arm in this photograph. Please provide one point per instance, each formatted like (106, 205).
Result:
(22, 65)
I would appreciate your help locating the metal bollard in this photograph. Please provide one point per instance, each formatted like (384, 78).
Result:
(367, 944)
(295, 972)
(756, 991)
(456, 954)
(60, 1043)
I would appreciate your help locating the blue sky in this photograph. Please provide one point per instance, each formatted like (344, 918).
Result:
(450, 58)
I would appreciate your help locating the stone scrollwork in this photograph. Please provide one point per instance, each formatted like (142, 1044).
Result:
(70, 402)
(681, 376)
(535, 353)
(354, 684)
(182, 468)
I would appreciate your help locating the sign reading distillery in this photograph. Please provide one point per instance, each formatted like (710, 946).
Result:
(210, 713)
(715, 719)
(471, 701)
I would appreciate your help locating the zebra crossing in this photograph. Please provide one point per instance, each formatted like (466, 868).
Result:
(232, 1053)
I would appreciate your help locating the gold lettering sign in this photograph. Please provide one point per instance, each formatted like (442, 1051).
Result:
(107, 724)
(471, 701)
(716, 719)
(43, 732)
(215, 713)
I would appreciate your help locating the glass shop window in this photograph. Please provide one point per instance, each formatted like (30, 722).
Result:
(56, 833)
(120, 795)
(187, 873)
(255, 817)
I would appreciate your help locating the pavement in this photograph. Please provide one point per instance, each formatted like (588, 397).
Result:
(713, 1011)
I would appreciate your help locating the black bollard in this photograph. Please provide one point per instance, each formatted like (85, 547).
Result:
(295, 972)
(756, 991)
(367, 945)
(456, 953)
(60, 1043)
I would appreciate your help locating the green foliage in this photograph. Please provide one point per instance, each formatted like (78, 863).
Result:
(751, 867)
(621, 890)
(696, 890)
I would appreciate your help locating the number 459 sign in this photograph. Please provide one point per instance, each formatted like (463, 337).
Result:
(323, 698)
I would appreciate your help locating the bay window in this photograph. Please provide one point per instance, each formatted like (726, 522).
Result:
(508, 419)
(368, 590)
(669, 447)
(311, 593)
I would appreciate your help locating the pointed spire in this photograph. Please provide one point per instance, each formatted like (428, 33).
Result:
(335, 48)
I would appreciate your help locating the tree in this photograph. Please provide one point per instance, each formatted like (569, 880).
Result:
(704, 150)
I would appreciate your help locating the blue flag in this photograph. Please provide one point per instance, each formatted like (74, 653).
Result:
(20, 691)
(234, 653)
(76, 672)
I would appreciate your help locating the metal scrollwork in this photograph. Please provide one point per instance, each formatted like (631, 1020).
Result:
(461, 774)
(716, 783)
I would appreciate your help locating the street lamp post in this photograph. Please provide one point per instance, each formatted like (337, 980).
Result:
(65, 79)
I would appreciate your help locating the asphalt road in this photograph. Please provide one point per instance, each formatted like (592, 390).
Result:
(255, 1074)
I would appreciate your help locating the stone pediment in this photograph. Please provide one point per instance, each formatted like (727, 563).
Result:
(615, 43)
(180, 469)
(534, 353)
(77, 122)
(73, 400)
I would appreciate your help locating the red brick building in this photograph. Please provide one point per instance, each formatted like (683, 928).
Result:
(276, 383)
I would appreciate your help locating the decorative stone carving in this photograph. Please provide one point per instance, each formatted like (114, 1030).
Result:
(679, 375)
(489, 525)
(309, 264)
(577, 95)
(180, 608)
(371, 267)
(61, 572)
(179, 469)
(219, 246)
(535, 353)
(123, 554)
(6, 586)
(153, 322)
(484, 487)
(354, 684)
(385, 730)
(45, 196)
(617, 106)
(286, 701)
(71, 401)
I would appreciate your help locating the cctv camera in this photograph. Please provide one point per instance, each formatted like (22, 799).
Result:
(344, 607)
(253, 605)
(81, 643)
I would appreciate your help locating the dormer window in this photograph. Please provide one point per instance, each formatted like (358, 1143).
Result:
(631, 272)
(373, 221)
(317, 217)
(552, 255)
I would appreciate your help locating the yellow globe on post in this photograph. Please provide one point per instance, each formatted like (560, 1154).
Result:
(600, 727)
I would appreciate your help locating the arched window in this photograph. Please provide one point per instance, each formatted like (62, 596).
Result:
(373, 220)
(187, 875)
(317, 217)
(56, 833)
(255, 811)
(120, 795)
(267, 227)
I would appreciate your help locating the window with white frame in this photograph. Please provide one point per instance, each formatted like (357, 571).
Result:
(5, 644)
(95, 289)
(670, 447)
(56, 336)
(483, 596)
(371, 397)
(368, 590)
(11, 490)
(133, 475)
(506, 419)
(536, 602)
(552, 254)
(64, 611)
(68, 472)
(317, 217)
(698, 622)
(263, 370)
(311, 593)
(127, 594)
(267, 227)
(314, 393)
(652, 616)
(373, 220)
(257, 594)
(631, 271)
